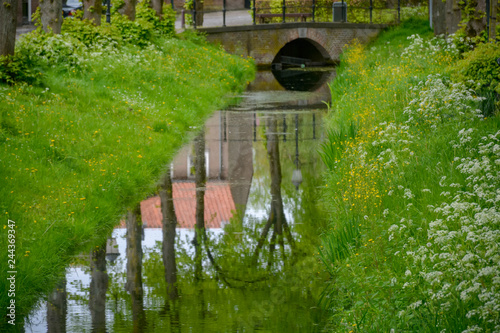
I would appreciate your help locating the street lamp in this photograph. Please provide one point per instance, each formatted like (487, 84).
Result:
(112, 252)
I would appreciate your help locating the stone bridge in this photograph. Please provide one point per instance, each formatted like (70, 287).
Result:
(268, 43)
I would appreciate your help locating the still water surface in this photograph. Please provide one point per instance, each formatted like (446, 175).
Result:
(260, 270)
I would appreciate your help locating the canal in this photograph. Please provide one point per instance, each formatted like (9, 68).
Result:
(256, 268)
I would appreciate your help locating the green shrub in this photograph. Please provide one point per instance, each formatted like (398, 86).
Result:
(13, 70)
(90, 34)
(165, 26)
(479, 70)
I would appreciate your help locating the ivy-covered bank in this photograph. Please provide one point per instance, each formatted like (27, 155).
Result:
(90, 134)
(413, 186)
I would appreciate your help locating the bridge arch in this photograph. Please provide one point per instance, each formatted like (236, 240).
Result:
(264, 41)
(303, 48)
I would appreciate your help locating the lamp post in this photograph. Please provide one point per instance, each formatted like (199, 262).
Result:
(112, 251)
(108, 11)
(297, 174)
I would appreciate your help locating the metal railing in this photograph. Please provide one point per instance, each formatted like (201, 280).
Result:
(286, 11)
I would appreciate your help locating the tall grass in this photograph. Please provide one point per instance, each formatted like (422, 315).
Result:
(91, 139)
(421, 175)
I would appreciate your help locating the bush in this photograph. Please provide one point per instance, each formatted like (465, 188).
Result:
(90, 34)
(479, 70)
(13, 69)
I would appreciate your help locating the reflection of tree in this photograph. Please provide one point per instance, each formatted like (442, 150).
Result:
(200, 183)
(134, 268)
(276, 218)
(57, 309)
(169, 223)
(98, 288)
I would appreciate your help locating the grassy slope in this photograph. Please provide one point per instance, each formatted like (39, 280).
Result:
(394, 263)
(85, 146)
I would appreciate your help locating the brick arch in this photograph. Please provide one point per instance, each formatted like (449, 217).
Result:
(263, 41)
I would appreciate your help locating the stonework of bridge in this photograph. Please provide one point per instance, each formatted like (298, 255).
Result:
(264, 42)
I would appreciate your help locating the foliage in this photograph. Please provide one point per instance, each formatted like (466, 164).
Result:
(140, 31)
(421, 176)
(479, 69)
(163, 26)
(194, 36)
(81, 40)
(90, 34)
(13, 70)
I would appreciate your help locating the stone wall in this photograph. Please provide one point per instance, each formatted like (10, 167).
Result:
(263, 42)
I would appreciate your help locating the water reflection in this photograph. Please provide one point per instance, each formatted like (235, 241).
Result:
(57, 309)
(301, 80)
(229, 241)
(276, 218)
(98, 289)
(134, 269)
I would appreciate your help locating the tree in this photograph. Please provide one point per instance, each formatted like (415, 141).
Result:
(446, 16)
(474, 13)
(8, 24)
(169, 223)
(98, 288)
(92, 11)
(134, 267)
(199, 12)
(51, 15)
(157, 5)
(128, 9)
(200, 181)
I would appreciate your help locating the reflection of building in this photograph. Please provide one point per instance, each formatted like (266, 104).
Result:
(219, 206)
(228, 154)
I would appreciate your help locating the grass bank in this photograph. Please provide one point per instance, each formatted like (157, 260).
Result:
(91, 136)
(412, 188)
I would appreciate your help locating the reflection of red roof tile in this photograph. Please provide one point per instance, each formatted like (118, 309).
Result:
(219, 205)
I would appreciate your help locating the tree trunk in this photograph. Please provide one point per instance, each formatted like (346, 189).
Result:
(199, 13)
(201, 181)
(477, 21)
(134, 268)
(51, 15)
(57, 306)
(92, 11)
(453, 16)
(438, 17)
(493, 19)
(157, 5)
(8, 24)
(134, 251)
(128, 9)
(169, 223)
(273, 152)
(98, 288)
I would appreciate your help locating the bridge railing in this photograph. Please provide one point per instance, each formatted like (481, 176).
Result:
(288, 11)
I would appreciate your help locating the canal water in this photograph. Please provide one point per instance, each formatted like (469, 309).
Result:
(258, 267)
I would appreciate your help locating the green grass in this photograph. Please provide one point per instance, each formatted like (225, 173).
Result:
(420, 177)
(90, 140)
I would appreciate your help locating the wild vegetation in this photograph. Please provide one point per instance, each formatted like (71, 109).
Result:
(88, 130)
(413, 155)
